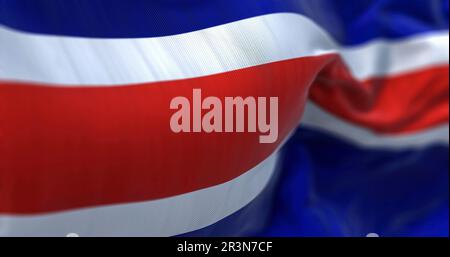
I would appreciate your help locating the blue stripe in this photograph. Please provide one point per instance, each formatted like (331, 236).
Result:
(329, 187)
(348, 21)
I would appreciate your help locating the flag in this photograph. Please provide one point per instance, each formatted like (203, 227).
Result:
(86, 145)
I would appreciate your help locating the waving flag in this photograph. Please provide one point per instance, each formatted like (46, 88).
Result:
(86, 146)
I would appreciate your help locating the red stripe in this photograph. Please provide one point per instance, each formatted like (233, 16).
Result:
(397, 104)
(65, 148)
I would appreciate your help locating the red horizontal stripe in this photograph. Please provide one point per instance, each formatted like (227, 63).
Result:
(394, 104)
(65, 148)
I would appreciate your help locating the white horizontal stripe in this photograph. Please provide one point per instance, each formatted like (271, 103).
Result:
(244, 43)
(164, 217)
(395, 57)
(315, 117)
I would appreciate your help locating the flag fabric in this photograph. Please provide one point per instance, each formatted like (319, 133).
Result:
(363, 132)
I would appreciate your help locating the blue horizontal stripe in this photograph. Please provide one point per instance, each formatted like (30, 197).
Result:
(348, 21)
(329, 187)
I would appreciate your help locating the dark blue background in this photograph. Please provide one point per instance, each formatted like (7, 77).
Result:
(349, 21)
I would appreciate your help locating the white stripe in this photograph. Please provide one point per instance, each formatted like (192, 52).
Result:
(393, 58)
(164, 217)
(315, 117)
(244, 43)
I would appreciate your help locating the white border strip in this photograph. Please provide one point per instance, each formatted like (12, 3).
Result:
(74, 61)
(317, 118)
(165, 217)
